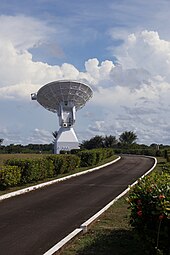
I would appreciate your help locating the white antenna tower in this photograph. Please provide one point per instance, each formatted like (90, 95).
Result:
(64, 98)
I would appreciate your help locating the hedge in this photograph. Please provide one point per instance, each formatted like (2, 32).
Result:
(64, 163)
(93, 157)
(150, 212)
(33, 169)
(20, 171)
(9, 176)
(147, 152)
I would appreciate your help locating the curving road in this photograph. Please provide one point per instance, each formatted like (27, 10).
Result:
(31, 224)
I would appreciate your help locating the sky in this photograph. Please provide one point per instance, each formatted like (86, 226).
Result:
(120, 48)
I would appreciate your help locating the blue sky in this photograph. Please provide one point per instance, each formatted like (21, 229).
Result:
(120, 48)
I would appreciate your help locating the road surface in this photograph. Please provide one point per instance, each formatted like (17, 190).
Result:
(32, 223)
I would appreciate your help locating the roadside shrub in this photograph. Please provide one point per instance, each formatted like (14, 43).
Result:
(150, 212)
(147, 152)
(99, 155)
(9, 176)
(94, 156)
(75, 151)
(72, 162)
(87, 158)
(32, 169)
(64, 163)
(109, 152)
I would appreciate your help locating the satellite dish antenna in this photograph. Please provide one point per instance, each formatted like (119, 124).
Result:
(64, 97)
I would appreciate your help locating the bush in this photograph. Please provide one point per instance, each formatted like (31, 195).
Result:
(93, 157)
(87, 158)
(9, 176)
(32, 169)
(64, 163)
(150, 211)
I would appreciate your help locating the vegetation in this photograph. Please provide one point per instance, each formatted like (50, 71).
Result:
(30, 148)
(126, 143)
(9, 176)
(127, 138)
(99, 142)
(149, 202)
(93, 157)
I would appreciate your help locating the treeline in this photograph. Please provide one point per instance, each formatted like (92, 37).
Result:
(30, 148)
(125, 143)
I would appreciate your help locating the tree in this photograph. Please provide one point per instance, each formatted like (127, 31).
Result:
(110, 141)
(128, 137)
(95, 142)
(1, 141)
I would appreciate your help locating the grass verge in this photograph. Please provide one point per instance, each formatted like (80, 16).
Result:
(111, 234)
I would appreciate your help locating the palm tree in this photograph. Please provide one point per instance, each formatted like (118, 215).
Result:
(110, 141)
(128, 137)
(95, 142)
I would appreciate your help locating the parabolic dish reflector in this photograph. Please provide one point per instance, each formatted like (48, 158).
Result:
(52, 94)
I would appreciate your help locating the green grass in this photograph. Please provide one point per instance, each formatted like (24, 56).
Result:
(111, 233)
(19, 156)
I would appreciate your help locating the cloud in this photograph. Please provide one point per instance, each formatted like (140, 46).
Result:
(147, 51)
(134, 91)
(23, 32)
(40, 136)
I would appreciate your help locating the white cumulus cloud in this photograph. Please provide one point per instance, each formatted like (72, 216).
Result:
(135, 91)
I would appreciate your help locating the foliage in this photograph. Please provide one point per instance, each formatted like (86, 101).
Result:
(9, 176)
(32, 169)
(95, 142)
(128, 137)
(150, 211)
(30, 148)
(93, 157)
(110, 141)
(87, 158)
(99, 142)
(139, 151)
(64, 163)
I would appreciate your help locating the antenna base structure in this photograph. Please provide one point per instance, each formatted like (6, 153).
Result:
(66, 140)
(64, 98)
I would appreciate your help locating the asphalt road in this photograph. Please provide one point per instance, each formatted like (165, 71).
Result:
(32, 223)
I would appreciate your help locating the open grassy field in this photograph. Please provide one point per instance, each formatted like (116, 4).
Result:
(18, 155)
